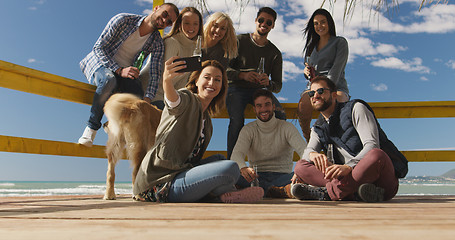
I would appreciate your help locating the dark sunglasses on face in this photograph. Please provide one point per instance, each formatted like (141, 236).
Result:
(268, 22)
(319, 90)
(164, 15)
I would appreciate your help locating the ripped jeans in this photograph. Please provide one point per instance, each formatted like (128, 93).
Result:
(107, 83)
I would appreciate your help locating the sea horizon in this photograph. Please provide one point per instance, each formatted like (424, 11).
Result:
(414, 185)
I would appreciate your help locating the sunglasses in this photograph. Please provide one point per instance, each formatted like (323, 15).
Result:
(320, 91)
(269, 22)
(165, 15)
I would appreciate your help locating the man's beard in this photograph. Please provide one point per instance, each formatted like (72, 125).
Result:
(327, 103)
(263, 33)
(266, 120)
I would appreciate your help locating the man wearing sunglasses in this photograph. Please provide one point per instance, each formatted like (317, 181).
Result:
(109, 65)
(366, 165)
(246, 76)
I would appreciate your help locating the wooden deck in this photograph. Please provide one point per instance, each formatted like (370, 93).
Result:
(90, 217)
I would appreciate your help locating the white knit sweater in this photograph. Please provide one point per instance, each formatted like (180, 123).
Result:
(269, 145)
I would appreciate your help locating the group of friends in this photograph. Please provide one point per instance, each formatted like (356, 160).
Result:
(362, 165)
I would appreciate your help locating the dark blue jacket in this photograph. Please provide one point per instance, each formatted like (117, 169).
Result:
(341, 131)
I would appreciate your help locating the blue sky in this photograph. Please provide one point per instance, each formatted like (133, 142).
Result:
(403, 55)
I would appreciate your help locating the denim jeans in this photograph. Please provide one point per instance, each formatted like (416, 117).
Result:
(268, 179)
(108, 83)
(213, 176)
(236, 101)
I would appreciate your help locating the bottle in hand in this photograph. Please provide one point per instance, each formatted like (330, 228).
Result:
(139, 60)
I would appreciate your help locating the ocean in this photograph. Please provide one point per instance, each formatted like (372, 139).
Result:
(408, 186)
(39, 188)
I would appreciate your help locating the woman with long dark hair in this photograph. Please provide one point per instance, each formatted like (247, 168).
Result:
(325, 54)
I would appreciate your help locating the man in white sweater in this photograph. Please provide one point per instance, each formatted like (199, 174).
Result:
(269, 144)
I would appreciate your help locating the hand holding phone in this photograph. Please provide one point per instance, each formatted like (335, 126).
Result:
(192, 63)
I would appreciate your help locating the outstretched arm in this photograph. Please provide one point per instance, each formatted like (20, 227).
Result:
(170, 72)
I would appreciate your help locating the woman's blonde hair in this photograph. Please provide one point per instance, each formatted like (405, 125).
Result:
(178, 23)
(218, 102)
(229, 41)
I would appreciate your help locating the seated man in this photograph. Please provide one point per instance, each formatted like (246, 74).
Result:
(366, 164)
(269, 144)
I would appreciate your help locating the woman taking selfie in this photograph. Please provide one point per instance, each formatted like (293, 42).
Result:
(173, 170)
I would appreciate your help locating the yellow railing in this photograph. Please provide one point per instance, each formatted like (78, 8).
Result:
(37, 82)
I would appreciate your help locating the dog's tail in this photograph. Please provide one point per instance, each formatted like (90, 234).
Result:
(118, 110)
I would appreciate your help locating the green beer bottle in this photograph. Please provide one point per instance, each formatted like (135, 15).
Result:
(139, 60)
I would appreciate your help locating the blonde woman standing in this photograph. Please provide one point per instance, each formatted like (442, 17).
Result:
(220, 39)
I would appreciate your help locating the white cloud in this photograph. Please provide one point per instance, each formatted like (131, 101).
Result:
(291, 71)
(31, 60)
(32, 8)
(380, 87)
(451, 64)
(425, 79)
(359, 29)
(282, 99)
(414, 65)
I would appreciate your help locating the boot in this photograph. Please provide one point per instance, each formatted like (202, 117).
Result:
(307, 192)
(87, 137)
(368, 192)
(280, 192)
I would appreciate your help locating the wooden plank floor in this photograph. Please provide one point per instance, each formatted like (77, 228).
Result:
(90, 217)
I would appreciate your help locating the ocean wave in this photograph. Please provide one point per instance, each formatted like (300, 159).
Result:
(430, 184)
(84, 190)
(7, 184)
(424, 194)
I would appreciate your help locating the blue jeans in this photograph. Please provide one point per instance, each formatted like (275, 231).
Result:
(108, 83)
(236, 101)
(213, 176)
(268, 179)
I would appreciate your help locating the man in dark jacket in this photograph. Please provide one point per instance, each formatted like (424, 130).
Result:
(365, 164)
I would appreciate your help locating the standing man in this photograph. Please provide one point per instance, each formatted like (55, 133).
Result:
(366, 163)
(109, 65)
(243, 75)
(269, 144)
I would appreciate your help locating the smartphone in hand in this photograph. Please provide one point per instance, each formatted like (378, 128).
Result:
(192, 63)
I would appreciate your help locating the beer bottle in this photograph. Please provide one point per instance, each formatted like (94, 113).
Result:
(139, 60)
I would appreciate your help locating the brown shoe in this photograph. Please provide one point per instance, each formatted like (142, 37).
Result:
(279, 192)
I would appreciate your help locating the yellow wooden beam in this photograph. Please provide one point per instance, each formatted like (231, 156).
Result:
(33, 81)
(46, 147)
(427, 109)
(38, 146)
(430, 156)
(37, 82)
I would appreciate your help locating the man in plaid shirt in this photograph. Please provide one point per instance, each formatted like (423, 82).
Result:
(109, 65)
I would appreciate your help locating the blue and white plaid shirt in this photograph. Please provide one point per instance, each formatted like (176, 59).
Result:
(118, 29)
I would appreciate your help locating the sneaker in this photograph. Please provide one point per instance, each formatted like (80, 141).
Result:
(306, 192)
(87, 137)
(279, 192)
(368, 192)
(249, 194)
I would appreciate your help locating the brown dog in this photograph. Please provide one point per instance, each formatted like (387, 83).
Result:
(132, 124)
